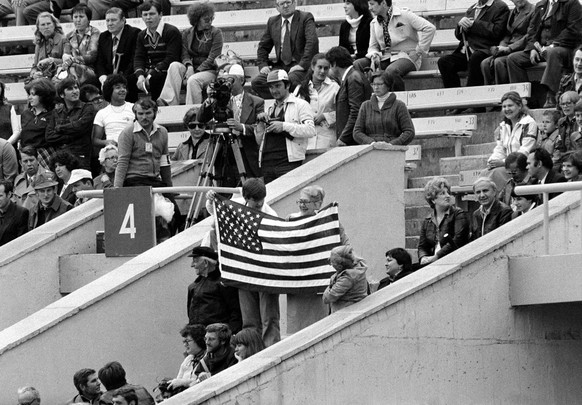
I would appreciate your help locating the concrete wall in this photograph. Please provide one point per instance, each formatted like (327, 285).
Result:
(29, 265)
(444, 335)
(133, 313)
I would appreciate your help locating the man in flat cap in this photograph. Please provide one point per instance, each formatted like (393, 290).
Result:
(49, 205)
(209, 300)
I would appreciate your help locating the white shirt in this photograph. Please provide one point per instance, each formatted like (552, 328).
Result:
(114, 119)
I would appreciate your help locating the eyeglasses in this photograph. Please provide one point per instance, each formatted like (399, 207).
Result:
(195, 125)
(305, 202)
(113, 158)
(187, 341)
(566, 104)
(378, 84)
(285, 4)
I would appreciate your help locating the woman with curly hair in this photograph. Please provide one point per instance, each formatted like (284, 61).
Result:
(446, 228)
(81, 47)
(348, 285)
(50, 45)
(201, 44)
(35, 120)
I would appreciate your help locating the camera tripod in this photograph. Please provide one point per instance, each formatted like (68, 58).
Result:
(220, 139)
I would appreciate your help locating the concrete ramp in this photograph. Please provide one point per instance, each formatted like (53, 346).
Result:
(444, 335)
(133, 313)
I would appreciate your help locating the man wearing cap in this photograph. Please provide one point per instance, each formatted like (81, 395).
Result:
(245, 108)
(289, 125)
(81, 179)
(13, 218)
(209, 300)
(293, 35)
(49, 205)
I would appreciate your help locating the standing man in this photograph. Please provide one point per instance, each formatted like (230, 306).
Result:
(87, 384)
(482, 27)
(555, 30)
(354, 90)
(293, 35)
(49, 205)
(13, 218)
(157, 46)
(540, 168)
(143, 150)
(290, 124)
(209, 300)
(491, 213)
(219, 353)
(115, 51)
(245, 108)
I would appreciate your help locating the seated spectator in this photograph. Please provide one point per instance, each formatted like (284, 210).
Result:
(81, 47)
(108, 159)
(383, 118)
(9, 120)
(112, 376)
(156, 48)
(516, 168)
(348, 285)
(195, 350)
(24, 194)
(567, 125)
(523, 203)
(491, 213)
(553, 34)
(125, 396)
(209, 300)
(447, 228)
(290, 124)
(398, 41)
(540, 169)
(320, 92)
(246, 343)
(13, 218)
(572, 81)
(398, 265)
(115, 51)
(87, 384)
(89, 93)
(201, 45)
(549, 138)
(354, 90)
(31, 9)
(28, 396)
(63, 164)
(196, 146)
(516, 133)
(482, 27)
(111, 120)
(572, 166)
(292, 33)
(71, 124)
(354, 33)
(494, 67)
(80, 180)
(37, 117)
(219, 353)
(49, 205)
(8, 161)
(574, 141)
(50, 44)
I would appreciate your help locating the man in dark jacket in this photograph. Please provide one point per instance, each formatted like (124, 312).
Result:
(49, 205)
(540, 168)
(482, 27)
(13, 218)
(354, 90)
(492, 213)
(219, 353)
(209, 300)
(292, 34)
(555, 30)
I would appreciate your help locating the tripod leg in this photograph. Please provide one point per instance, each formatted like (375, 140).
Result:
(206, 180)
(234, 144)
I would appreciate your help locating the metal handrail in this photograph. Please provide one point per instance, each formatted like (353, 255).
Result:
(177, 189)
(545, 190)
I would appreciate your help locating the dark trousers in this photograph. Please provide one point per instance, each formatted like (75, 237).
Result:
(272, 172)
(557, 58)
(451, 65)
(261, 88)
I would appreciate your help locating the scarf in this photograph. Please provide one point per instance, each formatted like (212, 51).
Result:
(354, 22)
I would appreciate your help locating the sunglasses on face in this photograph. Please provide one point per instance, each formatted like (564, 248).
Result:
(196, 125)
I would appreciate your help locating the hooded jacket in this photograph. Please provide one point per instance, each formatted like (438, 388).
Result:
(347, 287)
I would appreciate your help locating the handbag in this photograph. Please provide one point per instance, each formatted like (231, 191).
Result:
(228, 58)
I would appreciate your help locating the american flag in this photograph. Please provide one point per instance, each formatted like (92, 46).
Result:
(258, 251)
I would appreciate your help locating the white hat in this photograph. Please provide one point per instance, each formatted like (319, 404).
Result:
(79, 174)
(236, 70)
(277, 76)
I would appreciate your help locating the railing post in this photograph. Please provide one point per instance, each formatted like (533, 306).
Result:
(546, 224)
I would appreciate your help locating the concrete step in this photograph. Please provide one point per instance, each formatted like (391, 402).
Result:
(456, 164)
(420, 182)
(414, 197)
(415, 212)
(479, 149)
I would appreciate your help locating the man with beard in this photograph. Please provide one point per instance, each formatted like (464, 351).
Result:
(219, 353)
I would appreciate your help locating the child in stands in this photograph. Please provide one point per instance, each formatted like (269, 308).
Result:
(549, 136)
